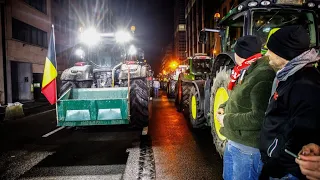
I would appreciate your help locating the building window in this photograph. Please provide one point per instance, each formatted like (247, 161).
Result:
(182, 27)
(40, 5)
(29, 34)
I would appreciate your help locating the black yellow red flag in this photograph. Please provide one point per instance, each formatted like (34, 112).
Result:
(49, 85)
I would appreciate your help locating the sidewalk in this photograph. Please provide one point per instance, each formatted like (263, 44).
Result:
(29, 108)
(36, 107)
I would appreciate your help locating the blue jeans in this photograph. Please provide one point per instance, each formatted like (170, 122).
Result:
(239, 164)
(156, 92)
(286, 177)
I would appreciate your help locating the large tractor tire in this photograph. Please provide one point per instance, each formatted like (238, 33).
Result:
(178, 97)
(171, 89)
(67, 85)
(196, 115)
(219, 95)
(139, 98)
(186, 88)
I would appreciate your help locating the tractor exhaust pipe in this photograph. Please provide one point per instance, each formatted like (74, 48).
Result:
(113, 71)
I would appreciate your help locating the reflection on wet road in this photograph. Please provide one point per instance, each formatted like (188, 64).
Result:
(178, 152)
(170, 151)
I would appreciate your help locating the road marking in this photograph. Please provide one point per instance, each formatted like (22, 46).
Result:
(54, 131)
(37, 114)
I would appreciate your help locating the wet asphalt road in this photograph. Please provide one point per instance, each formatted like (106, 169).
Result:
(170, 151)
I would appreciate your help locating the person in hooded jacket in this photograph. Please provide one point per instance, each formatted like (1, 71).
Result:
(292, 117)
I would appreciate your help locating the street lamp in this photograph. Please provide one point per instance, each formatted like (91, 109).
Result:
(173, 65)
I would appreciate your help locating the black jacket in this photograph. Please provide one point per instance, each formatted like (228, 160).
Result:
(292, 121)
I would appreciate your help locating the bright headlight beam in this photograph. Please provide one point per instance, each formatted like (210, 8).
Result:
(80, 52)
(123, 37)
(90, 37)
(132, 50)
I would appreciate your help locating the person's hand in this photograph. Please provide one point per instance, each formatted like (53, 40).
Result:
(310, 149)
(309, 161)
(220, 118)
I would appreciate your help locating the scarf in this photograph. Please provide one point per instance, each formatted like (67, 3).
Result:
(297, 63)
(236, 72)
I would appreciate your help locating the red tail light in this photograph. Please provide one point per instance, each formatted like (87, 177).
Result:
(80, 63)
(131, 62)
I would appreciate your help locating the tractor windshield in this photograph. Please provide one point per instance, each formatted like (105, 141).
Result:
(107, 55)
(201, 65)
(264, 22)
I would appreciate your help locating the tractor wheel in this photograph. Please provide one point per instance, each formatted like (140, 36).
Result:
(196, 115)
(66, 86)
(171, 89)
(219, 95)
(185, 98)
(178, 97)
(139, 99)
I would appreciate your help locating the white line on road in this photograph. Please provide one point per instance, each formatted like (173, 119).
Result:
(52, 132)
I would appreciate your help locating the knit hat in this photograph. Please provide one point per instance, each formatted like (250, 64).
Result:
(247, 46)
(289, 42)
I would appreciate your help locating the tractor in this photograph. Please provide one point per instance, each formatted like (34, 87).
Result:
(260, 18)
(107, 85)
(199, 70)
(173, 78)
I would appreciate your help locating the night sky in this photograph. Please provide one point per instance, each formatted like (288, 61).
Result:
(154, 25)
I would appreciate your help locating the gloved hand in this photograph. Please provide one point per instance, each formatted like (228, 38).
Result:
(220, 118)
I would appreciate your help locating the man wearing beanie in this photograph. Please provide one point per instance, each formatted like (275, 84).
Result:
(292, 117)
(242, 115)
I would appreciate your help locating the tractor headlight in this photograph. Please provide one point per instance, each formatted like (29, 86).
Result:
(240, 7)
(90, 37)
(311, 5)
(123, 37)
(80, 52)
(252, 4)
(265, 3)
(132, 50)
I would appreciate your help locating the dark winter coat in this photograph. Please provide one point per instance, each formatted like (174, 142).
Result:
(245, 109)
(292, 121)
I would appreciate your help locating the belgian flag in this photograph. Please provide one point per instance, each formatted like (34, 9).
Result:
(49, 85)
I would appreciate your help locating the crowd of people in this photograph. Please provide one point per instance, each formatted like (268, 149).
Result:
(271, 119)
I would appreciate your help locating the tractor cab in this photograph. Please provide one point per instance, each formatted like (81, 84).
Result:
(261, 18)
(199, 66)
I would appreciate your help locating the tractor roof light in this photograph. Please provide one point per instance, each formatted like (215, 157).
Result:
(240, 7)
(252, 4)
(90, 37)
(123, 37)
(311, 5)
(265, 3)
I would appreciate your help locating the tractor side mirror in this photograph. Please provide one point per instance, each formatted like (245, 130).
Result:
(203, 37)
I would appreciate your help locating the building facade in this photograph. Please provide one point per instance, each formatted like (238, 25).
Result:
(167, 58)
(27, 29)
(179, 44)
(197, 13)
(213, 45)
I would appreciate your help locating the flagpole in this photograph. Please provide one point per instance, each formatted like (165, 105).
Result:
(55, 56)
